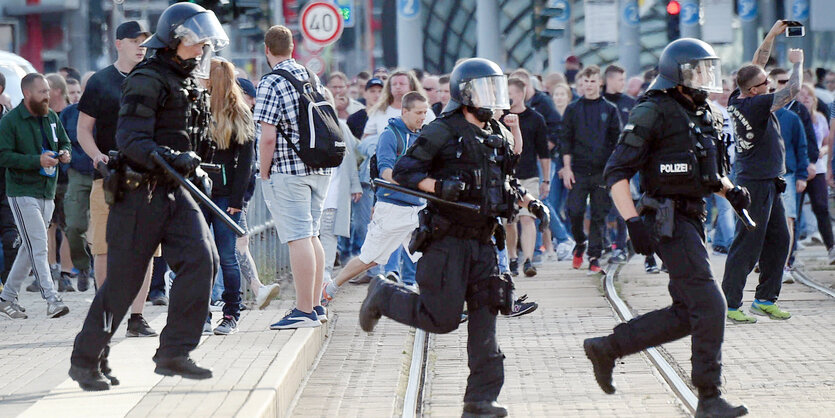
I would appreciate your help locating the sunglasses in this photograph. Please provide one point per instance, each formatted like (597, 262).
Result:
(760, 85)
(781, 82)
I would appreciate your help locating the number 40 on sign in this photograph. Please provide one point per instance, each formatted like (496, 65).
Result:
(321, 22)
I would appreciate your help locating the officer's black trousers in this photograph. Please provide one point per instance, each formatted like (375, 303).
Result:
(768, 244)
(698, 307)
(443, 273)
(134, 230)
(593, 189)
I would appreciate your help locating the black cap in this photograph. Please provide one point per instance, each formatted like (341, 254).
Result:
(373, 82)
(247, 87)
(131, 29)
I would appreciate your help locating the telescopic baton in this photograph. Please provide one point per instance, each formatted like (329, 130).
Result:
(429, 197)
(198, 194)
(745, 217)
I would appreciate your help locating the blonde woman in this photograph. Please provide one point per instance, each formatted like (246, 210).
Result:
(233, 133)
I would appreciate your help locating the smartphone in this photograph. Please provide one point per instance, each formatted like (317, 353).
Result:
(795, 29)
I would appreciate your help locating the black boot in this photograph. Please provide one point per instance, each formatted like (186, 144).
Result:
(483, 409)
(107, 372)
(83, 280)
(716, 407)
(602, 357)
(181, 366)
(370, 309)
(89, 379)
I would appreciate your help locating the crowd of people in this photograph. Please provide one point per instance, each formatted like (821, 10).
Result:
(562, 129)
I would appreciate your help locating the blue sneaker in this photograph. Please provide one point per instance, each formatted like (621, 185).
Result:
(297, 319)
(321, 312)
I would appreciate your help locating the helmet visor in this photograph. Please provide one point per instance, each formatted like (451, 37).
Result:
(204, 63)
(202, 28)
(705, 75)
(486, 92)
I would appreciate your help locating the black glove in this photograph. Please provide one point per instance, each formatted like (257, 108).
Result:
(739, 198)
(202, 181)
(184, 162)
(449, 189)
(536, 208)
(642, 240)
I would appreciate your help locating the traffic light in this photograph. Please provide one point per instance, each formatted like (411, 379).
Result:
(544, 27)
(673, 14)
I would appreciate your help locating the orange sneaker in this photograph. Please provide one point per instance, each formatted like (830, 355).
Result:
(577, 262)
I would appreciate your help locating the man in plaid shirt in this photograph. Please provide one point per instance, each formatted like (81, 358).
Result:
(294, 192)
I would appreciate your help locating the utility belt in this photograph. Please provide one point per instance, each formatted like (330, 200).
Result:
(495, 293)
(119, 178)
(661, 212)
(433, 226)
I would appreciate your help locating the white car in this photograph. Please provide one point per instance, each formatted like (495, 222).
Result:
(14, 68)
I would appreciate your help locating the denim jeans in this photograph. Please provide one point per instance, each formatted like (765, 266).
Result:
(723, 233)
(556, 204)
(402, 264)
(360, 217)
(225, 240)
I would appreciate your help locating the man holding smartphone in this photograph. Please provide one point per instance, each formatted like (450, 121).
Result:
(760, 167)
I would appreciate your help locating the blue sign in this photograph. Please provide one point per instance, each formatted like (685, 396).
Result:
(631, 13)
(346, 9)
(747, 10)
(408, 9)
(690, 12)
(800, 9)
(562, 5)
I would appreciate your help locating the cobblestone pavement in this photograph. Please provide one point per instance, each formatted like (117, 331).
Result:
(359, 374)
(546, 371)
(35, 353)
(777, 368)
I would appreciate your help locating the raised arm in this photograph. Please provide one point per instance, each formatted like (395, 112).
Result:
(786, 95)
(764, 51)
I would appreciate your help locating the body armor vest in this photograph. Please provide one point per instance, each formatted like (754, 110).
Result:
(183, 116)
(483, 163)
(687, 159)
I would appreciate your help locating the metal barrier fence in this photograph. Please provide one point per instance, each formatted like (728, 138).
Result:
(272, 258)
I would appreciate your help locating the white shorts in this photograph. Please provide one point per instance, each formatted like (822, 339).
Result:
(390, 226)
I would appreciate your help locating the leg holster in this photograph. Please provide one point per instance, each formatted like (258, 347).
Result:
(495, 293)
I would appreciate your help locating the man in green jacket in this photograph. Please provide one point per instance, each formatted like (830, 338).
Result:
(32, 143)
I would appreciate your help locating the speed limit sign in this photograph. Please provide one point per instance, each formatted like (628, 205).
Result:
(321, 22)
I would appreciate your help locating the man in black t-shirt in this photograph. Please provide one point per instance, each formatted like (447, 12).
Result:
(356, 122)
(534, 151)
(99, 113)
(759, 166)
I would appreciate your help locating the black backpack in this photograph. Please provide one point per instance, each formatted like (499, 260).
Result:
(373, 170)
(320, 139)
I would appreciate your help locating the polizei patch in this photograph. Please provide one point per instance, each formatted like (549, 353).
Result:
(674, 168)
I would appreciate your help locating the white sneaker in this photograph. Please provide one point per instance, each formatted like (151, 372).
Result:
(266, 294)
(551, 257)
(216, 306)
(788, 278)
(564, 249)
(799, 246)
(832, 256)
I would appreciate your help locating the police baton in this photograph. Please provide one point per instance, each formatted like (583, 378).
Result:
(198, 194)
(746, 219)
(429, 197)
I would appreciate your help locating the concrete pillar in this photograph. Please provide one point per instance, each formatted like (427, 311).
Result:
(799, 10)
(409, 37)
(78, 27)
(489, 43)
(748, 12)
(689, 19)
(276, 12)
(629, 47)
(559, 48)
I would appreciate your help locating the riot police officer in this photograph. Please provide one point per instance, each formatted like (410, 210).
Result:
(161, 106)
(672, 138)
(462, 156)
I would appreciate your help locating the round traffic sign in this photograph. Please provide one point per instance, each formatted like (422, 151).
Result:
(321, 22)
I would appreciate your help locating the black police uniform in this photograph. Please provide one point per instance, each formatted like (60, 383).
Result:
(160, 101)
(659, 141)
(460, 259)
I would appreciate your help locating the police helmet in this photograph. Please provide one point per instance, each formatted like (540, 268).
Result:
(478, 83)
(691, 63)
(189, 23)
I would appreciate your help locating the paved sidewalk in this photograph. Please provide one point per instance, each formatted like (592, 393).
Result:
(777, 368)
(546, 371)
(250, 374)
